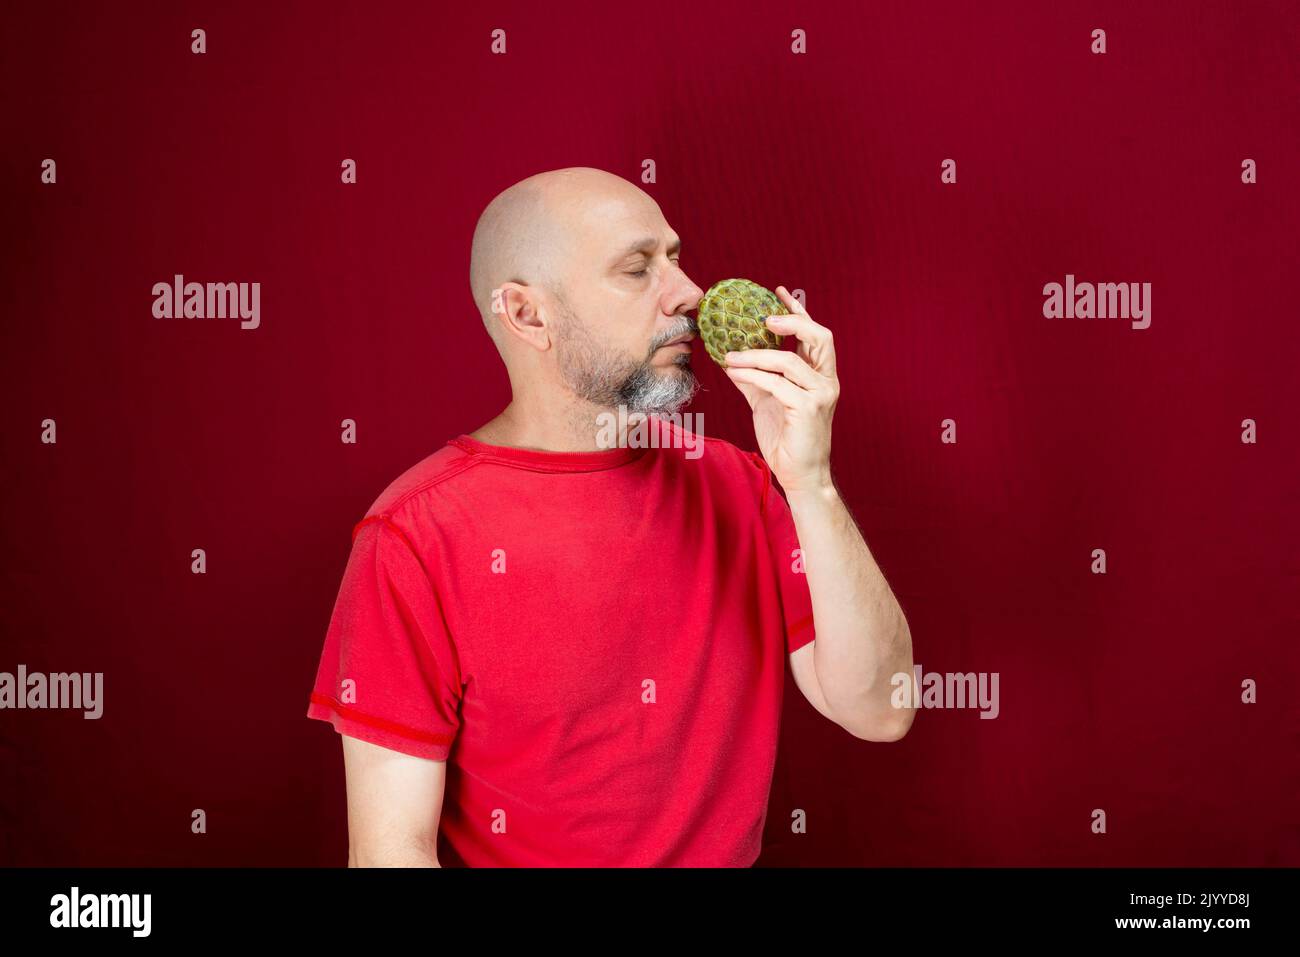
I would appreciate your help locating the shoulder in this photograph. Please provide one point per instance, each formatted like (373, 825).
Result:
(419, 482)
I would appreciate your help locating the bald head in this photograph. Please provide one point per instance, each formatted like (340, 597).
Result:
(528, 233)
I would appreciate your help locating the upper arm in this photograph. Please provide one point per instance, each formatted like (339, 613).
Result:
(394, 804)
(390, 682)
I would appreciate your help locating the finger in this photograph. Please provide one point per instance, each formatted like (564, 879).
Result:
(799, 318)
(815, 338)
(791, 303)
(778, 386)
(793, 367)
(815, 342)
(793, 306)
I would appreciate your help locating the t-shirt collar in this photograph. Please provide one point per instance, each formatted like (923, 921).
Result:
(545, 461)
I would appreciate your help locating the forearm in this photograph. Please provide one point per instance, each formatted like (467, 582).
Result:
(863, 639)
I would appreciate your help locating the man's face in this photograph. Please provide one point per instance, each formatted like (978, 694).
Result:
(626, 298)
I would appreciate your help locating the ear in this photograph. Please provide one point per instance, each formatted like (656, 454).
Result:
(516, 305)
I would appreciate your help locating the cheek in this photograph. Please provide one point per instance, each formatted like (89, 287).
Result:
(625, 326)
(632, 340)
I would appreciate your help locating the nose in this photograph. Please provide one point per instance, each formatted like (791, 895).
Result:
(685, 296)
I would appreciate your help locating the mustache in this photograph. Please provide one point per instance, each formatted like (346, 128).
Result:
(684, 325)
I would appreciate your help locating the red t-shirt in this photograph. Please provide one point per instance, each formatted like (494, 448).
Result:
(594, 642)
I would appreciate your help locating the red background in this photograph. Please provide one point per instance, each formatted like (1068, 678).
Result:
(819, 172)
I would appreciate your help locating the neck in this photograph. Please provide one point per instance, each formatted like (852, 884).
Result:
(573, 425)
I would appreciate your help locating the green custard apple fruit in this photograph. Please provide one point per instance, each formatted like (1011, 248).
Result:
(731, 318)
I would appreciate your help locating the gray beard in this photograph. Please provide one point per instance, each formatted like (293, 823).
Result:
(607, 380)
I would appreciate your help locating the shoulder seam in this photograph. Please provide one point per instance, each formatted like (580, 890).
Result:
(383, 520)
(452, 470)
(388, 523)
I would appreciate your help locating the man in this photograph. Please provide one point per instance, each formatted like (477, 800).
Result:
(553, 650)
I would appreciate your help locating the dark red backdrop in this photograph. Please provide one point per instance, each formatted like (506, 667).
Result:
(817, 171)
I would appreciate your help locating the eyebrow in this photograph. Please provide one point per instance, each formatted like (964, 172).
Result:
(647, 245)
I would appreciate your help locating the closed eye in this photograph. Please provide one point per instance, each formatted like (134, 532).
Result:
(642, 272)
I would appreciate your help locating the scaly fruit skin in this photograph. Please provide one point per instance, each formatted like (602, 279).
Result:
(731, 318)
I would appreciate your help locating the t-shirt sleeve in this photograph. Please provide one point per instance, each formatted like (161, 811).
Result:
(389, 672)
(787, 558)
